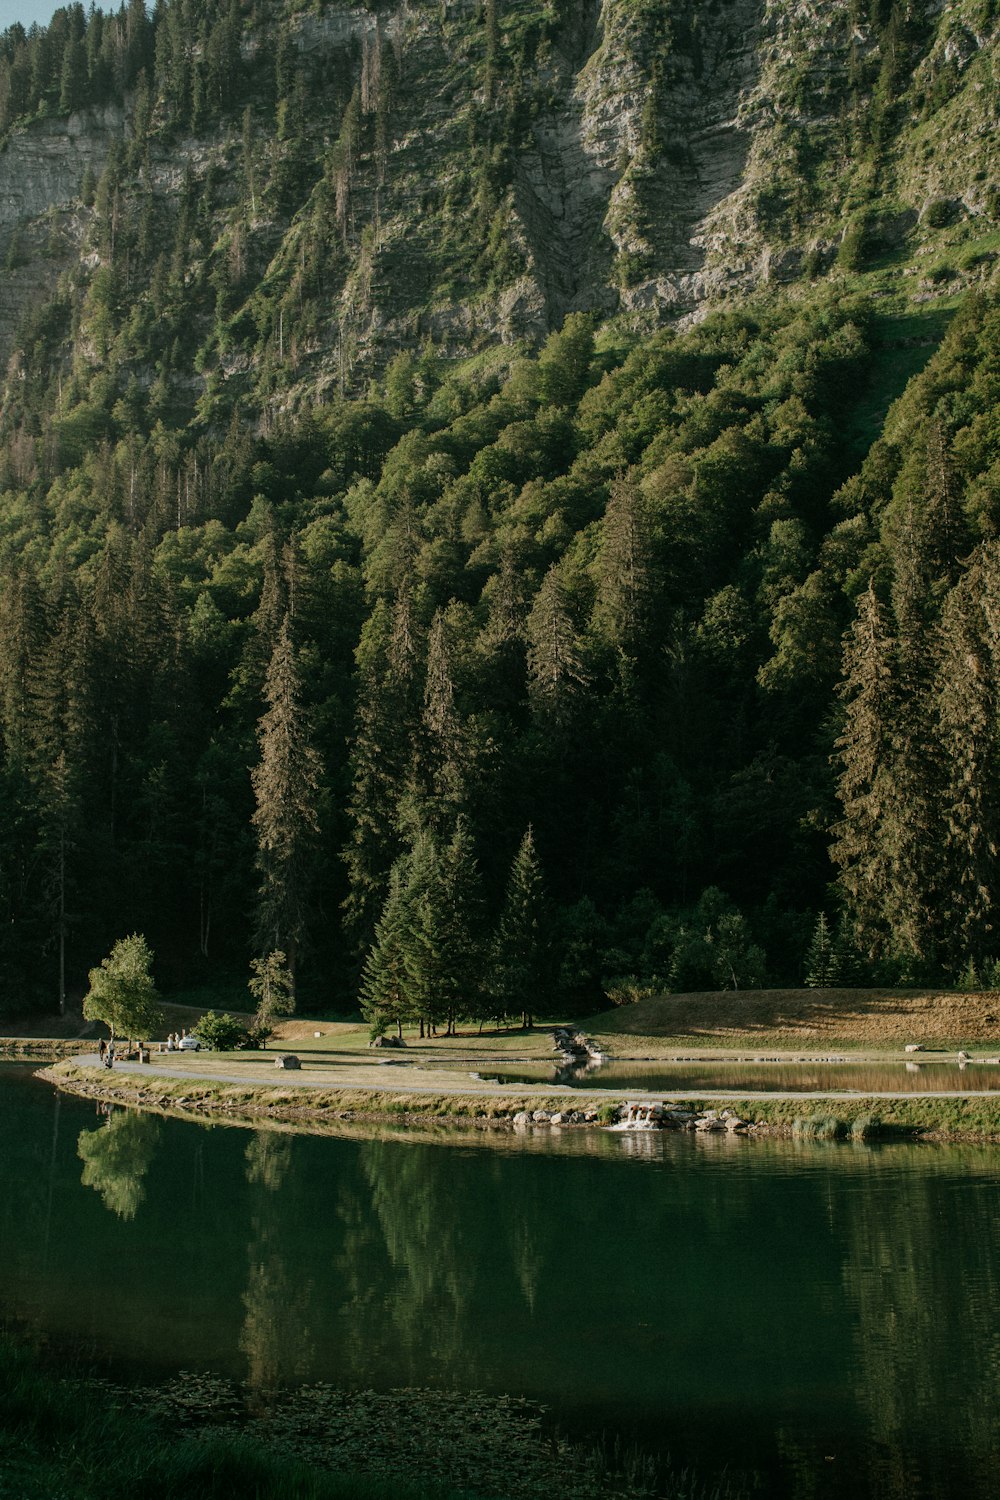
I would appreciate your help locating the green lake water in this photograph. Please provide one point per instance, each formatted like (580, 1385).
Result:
(826, 1316)
(764, 1077)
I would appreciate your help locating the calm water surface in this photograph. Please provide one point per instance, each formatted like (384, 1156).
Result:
(826, 1315)
(767, 1077)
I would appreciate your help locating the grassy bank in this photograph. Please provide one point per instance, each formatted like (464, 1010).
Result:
(299, 1103)
(933, 1118)
(970, 1117)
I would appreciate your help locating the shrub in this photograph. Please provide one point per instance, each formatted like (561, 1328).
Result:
(221, 1031)
(938, 213)
(607, 1114)
(819, 1127)
(865, 1126)
(855, 246)
(628, 990)
(813, 263)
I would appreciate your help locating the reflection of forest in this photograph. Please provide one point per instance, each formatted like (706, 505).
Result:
(827, 1309)
(116, 1158)
(922, 1279)
(275, 1337)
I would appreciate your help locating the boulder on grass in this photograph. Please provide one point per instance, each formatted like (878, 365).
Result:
(287, 1060)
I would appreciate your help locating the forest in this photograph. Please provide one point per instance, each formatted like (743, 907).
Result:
(566, 672)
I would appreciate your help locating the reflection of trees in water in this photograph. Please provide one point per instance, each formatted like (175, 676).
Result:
(461, 1245)
(276, 1316)
(928, 1378)
(116, 1158)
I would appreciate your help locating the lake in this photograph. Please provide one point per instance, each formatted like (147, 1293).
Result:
(823, 1315)
(746, 1078)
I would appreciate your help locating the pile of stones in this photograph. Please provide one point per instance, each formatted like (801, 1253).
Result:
(626, 1116)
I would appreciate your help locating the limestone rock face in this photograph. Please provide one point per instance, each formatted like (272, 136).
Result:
(41, 229)
(654, 161)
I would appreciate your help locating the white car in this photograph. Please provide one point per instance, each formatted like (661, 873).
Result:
(189, 1044)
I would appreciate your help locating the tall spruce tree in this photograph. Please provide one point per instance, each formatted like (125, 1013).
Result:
(286, 783)
(556, 668)
(967, 731)
(440, 771)
(442, 955)
(387, 723)
(864, 780)
(820, 955)
(385, 989)
(517, 962)
(623, 591)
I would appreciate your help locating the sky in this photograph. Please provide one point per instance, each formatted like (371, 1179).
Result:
(29, 11)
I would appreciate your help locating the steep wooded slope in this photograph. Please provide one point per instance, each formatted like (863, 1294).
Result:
(321, 185)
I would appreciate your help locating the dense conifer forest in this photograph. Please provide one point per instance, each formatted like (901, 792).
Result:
(585, 660)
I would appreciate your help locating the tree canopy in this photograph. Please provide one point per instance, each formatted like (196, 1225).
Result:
(122, 993)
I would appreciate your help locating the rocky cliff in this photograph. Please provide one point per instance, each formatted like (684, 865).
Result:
(374, 179)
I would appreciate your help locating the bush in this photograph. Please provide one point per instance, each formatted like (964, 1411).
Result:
(607, 1114)
(820, 1127)
(221, 1031)
(628, 990)
(855, 247)
(865, 1127)
(938, 213)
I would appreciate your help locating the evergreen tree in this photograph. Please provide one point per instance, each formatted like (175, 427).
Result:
(273, 991)
(388, 717)
(441, 769)
(820, 956)
(555, 661)
(518, 955)
(287, 788)
(623, 595)
(864, 781)
(442, 951)
(385, 990)
(967, 731)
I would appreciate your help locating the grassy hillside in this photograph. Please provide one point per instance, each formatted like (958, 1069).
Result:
(804, 1019)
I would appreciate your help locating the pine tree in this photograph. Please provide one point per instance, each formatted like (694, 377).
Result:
(967, 731)
(286, 784)
(863, 784)
(441, 772)
(555, 662)
(385, 990)
(273, 990)
(442, 950)
(623, 595)
(387, 720)
(910, 828)
(820, 956)
(518, 951)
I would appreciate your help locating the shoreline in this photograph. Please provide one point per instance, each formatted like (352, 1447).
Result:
(942, 1117)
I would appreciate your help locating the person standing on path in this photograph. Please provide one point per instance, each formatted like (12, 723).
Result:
(102, 1049)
